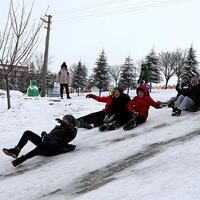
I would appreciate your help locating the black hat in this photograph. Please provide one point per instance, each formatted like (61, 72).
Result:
(71, 119)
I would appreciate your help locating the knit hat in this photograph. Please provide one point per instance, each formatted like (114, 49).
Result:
(71, 119)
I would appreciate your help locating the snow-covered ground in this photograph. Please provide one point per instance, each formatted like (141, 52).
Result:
(156, 161)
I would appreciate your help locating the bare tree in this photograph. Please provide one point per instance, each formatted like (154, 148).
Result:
(114, 72)
(167, 64)
(18, 42)
(181, 58)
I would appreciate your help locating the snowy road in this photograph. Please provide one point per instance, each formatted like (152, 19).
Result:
(157, 161)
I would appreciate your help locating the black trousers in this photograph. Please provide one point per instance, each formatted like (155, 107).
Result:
(62, 85)
(46, 148)
(95, 118)
(140, 119)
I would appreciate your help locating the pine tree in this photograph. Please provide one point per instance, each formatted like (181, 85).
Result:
(154, 72)
(100, 73)
(128, 74)
(79, 77)
(191, 68)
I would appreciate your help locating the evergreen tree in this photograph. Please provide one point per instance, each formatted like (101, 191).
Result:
(191, 68)
(154, 72)
(128, 74)
(100, 73)
(79, 77)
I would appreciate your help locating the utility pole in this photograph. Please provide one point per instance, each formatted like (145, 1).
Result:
(44, 69)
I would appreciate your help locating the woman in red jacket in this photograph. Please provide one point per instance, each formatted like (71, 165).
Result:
(139, 107)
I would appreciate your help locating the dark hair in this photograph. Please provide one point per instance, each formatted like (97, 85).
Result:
(71, 119)
(64, 65)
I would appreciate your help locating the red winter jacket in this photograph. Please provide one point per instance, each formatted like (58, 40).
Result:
(142, 105)
(106, 100)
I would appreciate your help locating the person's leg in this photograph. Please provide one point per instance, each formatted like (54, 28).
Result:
(27, 136)
(61, 90)
(45, 148)
(95, 118)
(67, 91)
(139, 119)
(187, 103)
(178, 101)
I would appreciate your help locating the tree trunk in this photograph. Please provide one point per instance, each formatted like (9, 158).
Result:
(167, 80)
(8, 93)
(99, 92)
(179, 79)
(128, 90)
(150, 87)
(78, 91)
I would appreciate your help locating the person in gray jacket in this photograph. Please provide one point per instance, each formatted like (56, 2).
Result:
(63, 78)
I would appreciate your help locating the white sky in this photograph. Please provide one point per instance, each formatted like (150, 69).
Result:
(81, 31)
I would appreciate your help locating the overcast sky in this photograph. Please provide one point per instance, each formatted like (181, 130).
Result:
(81, 28)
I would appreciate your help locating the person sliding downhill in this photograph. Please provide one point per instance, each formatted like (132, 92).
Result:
(139, 106)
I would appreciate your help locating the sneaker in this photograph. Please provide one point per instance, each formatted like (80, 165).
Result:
(13, 152)
(18, 161)
(68, 97)
(130, 125)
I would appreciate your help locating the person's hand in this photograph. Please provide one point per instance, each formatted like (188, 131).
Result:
(162, 104)
(59, 120)
(43, 133)
(135, 114)
(90, 96)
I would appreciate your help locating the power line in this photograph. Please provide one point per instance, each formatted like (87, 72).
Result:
(123, 10)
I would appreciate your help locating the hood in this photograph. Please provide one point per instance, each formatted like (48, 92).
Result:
(144, 88)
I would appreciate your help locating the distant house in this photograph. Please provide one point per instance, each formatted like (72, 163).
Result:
(18, 69)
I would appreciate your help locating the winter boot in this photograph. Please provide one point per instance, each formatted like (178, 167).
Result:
(89, 126)
(18, 161)
(113, 125)
(13, 152)
(130, 125)
(81, 123)
(178, 112)
(174, 111)
(103, 127)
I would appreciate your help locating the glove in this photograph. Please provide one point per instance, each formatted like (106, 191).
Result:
(90, 96)
(108, 119)
(162, 104)
(43, 133)
(134, 114)
(59, 120)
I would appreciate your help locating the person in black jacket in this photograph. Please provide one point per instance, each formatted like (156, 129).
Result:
(190, 100)
(116, 113)
(54, 143)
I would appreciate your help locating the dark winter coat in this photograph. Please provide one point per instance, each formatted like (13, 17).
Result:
(183, 89)
(141, 105)
(62, 134)
(194, 94)
(118, 107)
